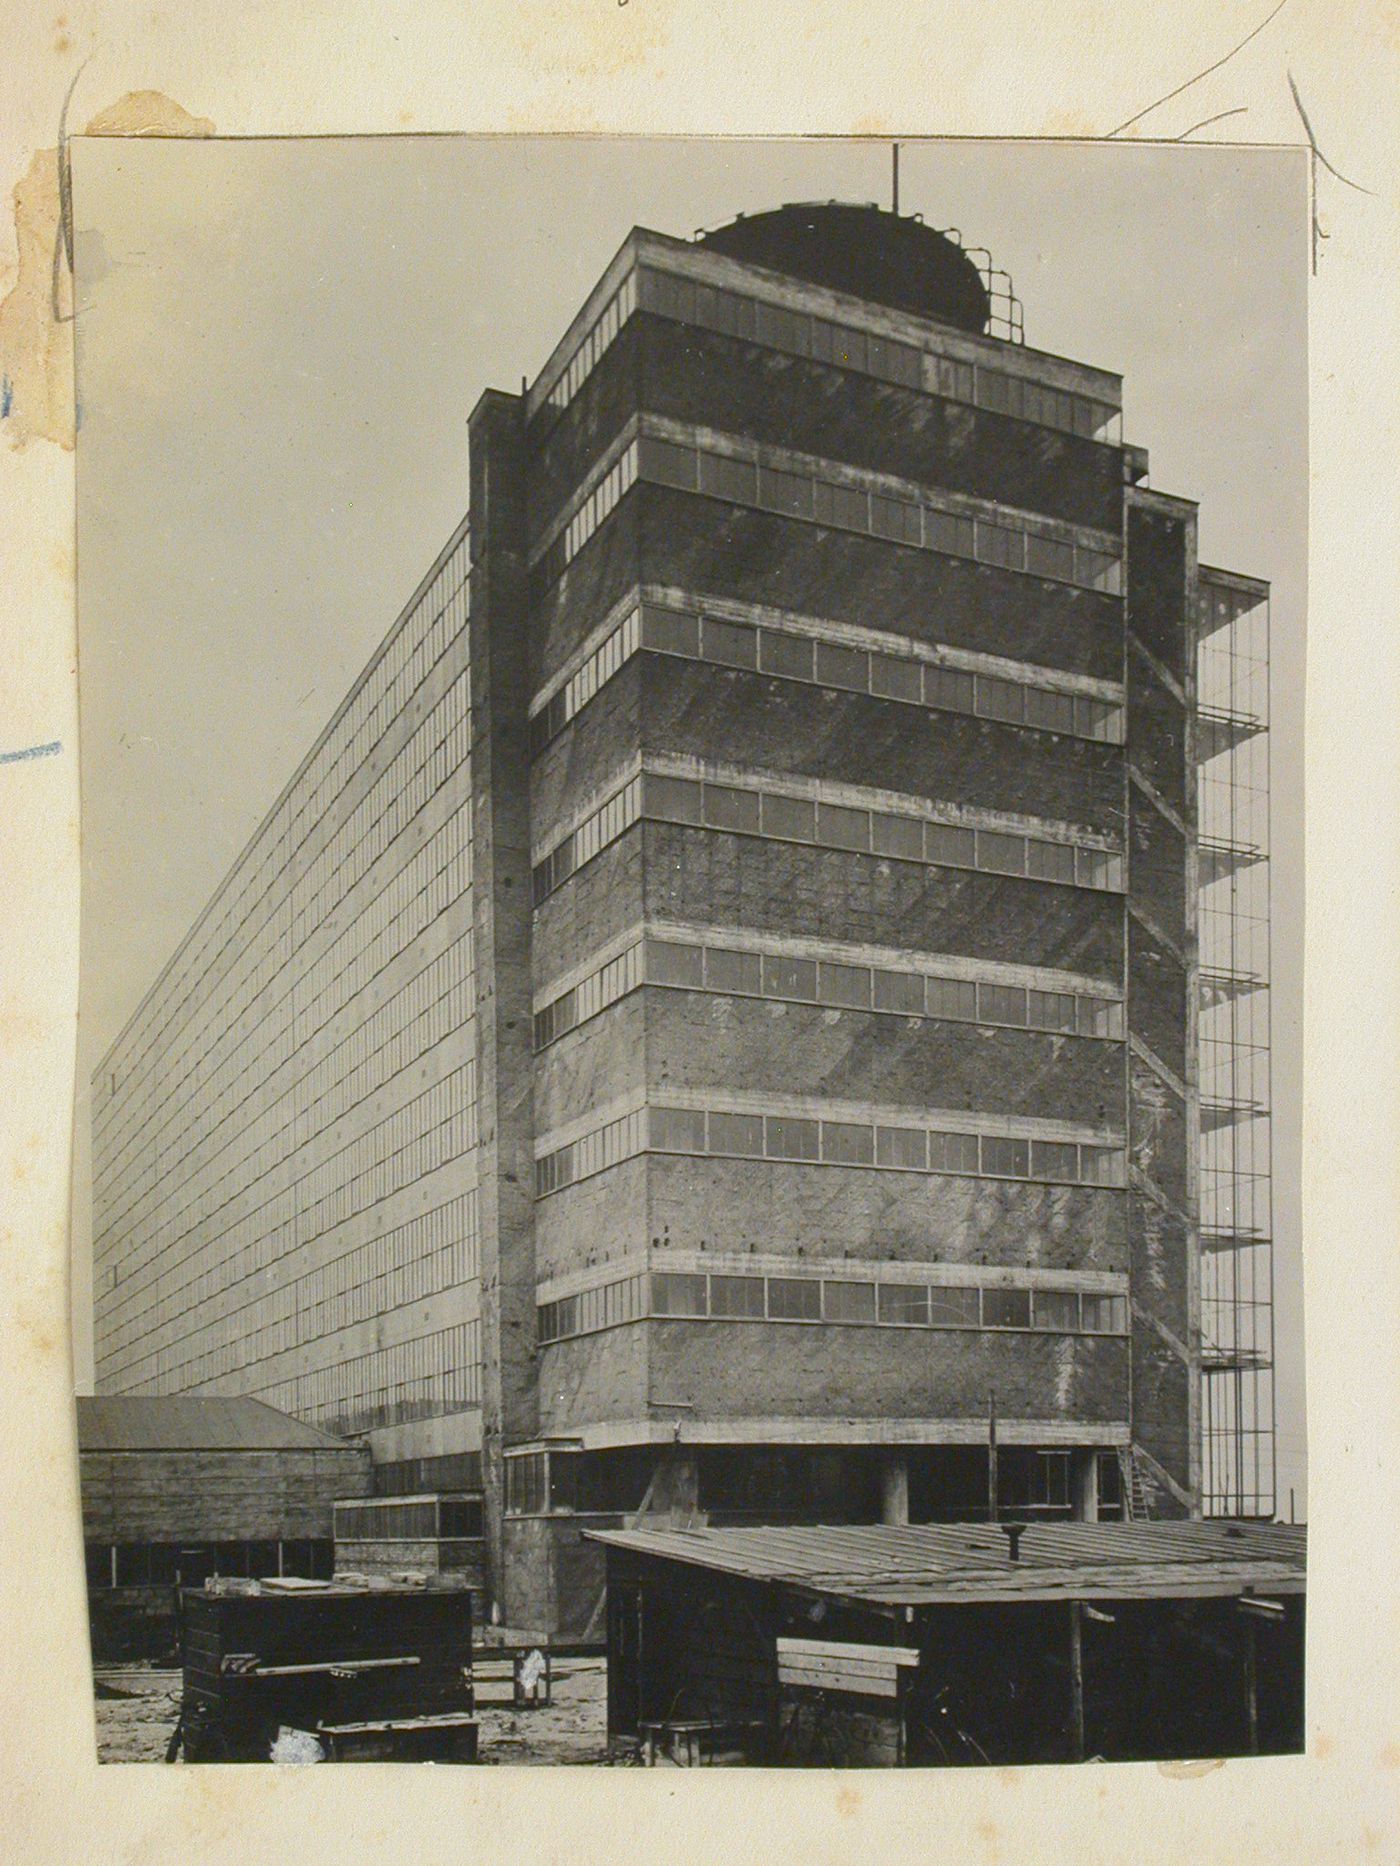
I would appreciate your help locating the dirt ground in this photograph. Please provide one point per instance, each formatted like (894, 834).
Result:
(137, 1708)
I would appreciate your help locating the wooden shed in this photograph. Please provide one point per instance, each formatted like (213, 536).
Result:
(957, 1643)
(179, 1487)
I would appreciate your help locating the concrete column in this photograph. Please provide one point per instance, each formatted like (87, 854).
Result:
(894, 1489)
(500, 766)
(1084, 1486)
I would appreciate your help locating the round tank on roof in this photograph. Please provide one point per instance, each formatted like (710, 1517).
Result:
(884, 257)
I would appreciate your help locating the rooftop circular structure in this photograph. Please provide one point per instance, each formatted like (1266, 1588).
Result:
(866, 251)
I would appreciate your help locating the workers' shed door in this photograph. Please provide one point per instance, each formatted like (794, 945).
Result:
(624, 1658)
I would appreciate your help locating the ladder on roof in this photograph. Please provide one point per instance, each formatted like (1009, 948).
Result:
(1135, 1504)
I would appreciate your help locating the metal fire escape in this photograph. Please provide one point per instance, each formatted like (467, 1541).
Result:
(1237, 1347)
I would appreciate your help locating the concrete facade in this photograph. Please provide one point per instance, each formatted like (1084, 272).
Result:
(820, 1091)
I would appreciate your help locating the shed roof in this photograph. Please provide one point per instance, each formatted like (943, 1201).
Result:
(190, 1422)
(939, 1564)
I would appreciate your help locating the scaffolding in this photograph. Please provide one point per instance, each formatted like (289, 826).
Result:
(1236, 1232)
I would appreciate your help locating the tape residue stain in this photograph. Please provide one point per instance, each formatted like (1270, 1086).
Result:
(36, 346)
(1190, 1771)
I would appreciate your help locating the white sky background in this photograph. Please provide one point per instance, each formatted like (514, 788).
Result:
(279, 344)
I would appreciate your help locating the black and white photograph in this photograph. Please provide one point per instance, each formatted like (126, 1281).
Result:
(690, 1076)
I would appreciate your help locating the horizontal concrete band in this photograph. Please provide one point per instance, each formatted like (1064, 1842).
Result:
(820, 628)
(686, 260)
(681, 1430)
(835, 952)
(878, 1270)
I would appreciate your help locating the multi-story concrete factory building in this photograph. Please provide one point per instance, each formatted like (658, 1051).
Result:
(714, 1029)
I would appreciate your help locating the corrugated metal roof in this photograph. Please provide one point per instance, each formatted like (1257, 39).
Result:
(936, 1564)
(188, 1422)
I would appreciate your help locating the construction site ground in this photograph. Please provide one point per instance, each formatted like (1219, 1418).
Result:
(137, 1707)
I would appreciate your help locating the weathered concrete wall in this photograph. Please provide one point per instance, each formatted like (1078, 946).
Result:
(216, 1496)
(593, 1378)
(554, 1579)
(740, 1370)
(604, 1217)
(582, 1072)
(706, 1041)
(788, 401)
(1163, 1123)
(771, 1205)
(695, 709)
(603, 899)
(711, 547)
(565, 610)
(701, 876)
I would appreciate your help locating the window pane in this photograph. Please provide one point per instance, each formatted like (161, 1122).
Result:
(848, 1143)
(895, 678)
(954, 1307)
(674, 800)
(843, 506)
(1056, 1308)
(896, 362)
(667, 463)
(790, 493)
(791, 1137)
(789, 978)
(842, 667)
(729, 479)
(794, 818)
(1103, 1315)
(1003, 855)
(670, 632)
(794, 1299)
(952, 1153)
(729, 644)
(1050, 861)
(998, 544)
(1055, 1159)
(676, 1130)
(945, 531)
(1101, 1166)
(1006, 1308)
(1051, 1010)
(669, 297)
(1096, 719)
(1047, 557)
(904, 1302)
(895, 518)
(949, 688)
(849, 1302)
(897, 835)
(732, 809)
(1099, 1017)
(676, 1293)
(952, 997)
(1052, 712)
(736, 1295)
(900, 991)
(902, 1146)
(844, 984)
(738, 1136)
(943, 843)
(784, 330)
(1098, 868)
(1005, 1156)
(1001, 1004)
(670, 964)
(841, 828)
(789, 655)
(733, 971)
(1000, 699)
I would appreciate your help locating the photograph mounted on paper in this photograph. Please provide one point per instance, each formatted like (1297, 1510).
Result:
(684, 1156)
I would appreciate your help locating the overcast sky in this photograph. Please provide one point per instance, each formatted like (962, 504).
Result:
(279, 344)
